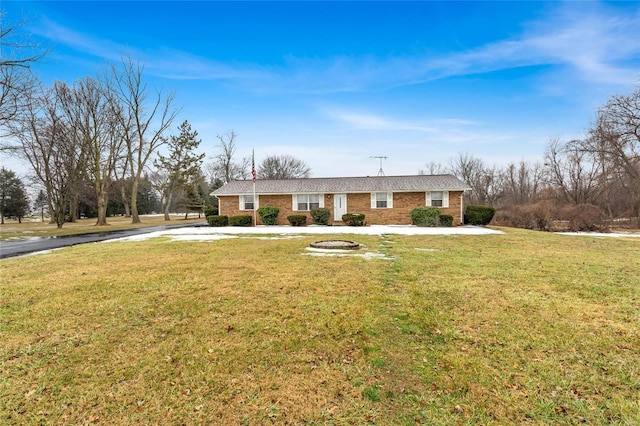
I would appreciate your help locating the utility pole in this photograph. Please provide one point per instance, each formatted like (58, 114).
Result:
(381, 158)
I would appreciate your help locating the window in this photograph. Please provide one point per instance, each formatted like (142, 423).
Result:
(246, 202)
(382, 200)
(305, 202)
(438, 199)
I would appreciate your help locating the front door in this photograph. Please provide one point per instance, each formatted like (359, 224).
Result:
(339, 206)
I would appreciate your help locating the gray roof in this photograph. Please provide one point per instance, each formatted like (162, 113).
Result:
(417, 183)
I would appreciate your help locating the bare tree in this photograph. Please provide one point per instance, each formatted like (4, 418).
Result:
(144, 117)
(615, 140)
(224, 166)
(46, 144)
(282, 167)
(96, 134)
(520, 183)
(574, 172)
(17, 54)
(484, 181)
(433, 168)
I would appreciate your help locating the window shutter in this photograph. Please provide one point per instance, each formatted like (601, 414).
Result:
(241, 202)
(373, 200)
(428, 198)
(445, 198)
(390, 200)
(294, 201)
(321, 202)
(256, 199)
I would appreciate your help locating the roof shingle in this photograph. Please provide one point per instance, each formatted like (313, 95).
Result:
(417, 183)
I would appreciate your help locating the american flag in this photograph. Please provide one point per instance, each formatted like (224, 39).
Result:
(253, 166)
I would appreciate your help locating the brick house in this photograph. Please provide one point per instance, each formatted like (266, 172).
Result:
(384, 200)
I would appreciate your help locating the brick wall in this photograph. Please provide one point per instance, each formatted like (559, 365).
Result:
(400, 214)
(403, 203)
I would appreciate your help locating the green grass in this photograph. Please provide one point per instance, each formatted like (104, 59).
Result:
(524, 327)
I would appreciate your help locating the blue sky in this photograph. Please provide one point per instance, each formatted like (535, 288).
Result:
(335, 83)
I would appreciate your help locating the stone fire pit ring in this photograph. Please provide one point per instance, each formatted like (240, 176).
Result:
(335, 245)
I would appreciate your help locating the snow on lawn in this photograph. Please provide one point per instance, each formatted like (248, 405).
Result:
(215, 233)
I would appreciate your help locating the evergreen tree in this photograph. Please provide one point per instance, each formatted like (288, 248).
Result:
(13, 197)
(181, 166)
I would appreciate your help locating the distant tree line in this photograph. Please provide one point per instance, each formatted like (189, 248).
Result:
(588, 181)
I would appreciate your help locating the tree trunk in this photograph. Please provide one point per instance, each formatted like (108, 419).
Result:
(167, 205)
(125, 202)
(52, 214)
(58, 217)
(103, 198)
(73, 208)
(135, 218)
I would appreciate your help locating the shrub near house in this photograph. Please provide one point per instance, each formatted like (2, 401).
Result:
(297, 219)
(321, 216)
(479, 215)
(214, 220)
(269, 215)
(425, 216)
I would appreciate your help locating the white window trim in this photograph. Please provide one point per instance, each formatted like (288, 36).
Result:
(374, 200)
(445, 199)
(294, 201)
(255, 201)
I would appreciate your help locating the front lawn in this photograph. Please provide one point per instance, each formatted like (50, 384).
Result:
(523, 327)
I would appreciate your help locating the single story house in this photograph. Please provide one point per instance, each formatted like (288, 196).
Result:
(384, 200)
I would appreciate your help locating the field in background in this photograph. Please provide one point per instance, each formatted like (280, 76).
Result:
(524, 327)
(36, 228)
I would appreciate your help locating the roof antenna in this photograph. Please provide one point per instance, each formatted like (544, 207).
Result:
(381, 157)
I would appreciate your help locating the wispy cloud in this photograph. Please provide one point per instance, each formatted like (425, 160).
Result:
(162, 62)
(600, 45)
(369, 121)
(443, 131)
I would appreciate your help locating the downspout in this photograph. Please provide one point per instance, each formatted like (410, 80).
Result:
(462, 208)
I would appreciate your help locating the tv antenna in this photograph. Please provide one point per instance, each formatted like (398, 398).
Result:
(381, 158)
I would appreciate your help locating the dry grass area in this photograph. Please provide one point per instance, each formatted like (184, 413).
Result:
(36, 228)
(523, 327)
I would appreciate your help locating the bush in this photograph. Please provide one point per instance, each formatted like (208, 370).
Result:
(546, 216)
(425, 216)
(445, 220)
(269, 215)
(479, 215)
(321, 216)
(215, 220)
(587, 218)
(244, 220)
(211, 211)
(353, 219)
(538, 216)
(297, 219)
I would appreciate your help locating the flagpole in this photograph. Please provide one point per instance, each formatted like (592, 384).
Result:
(253, 175)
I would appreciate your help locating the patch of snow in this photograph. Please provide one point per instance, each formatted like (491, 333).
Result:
(200, 237)
(206, 233)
